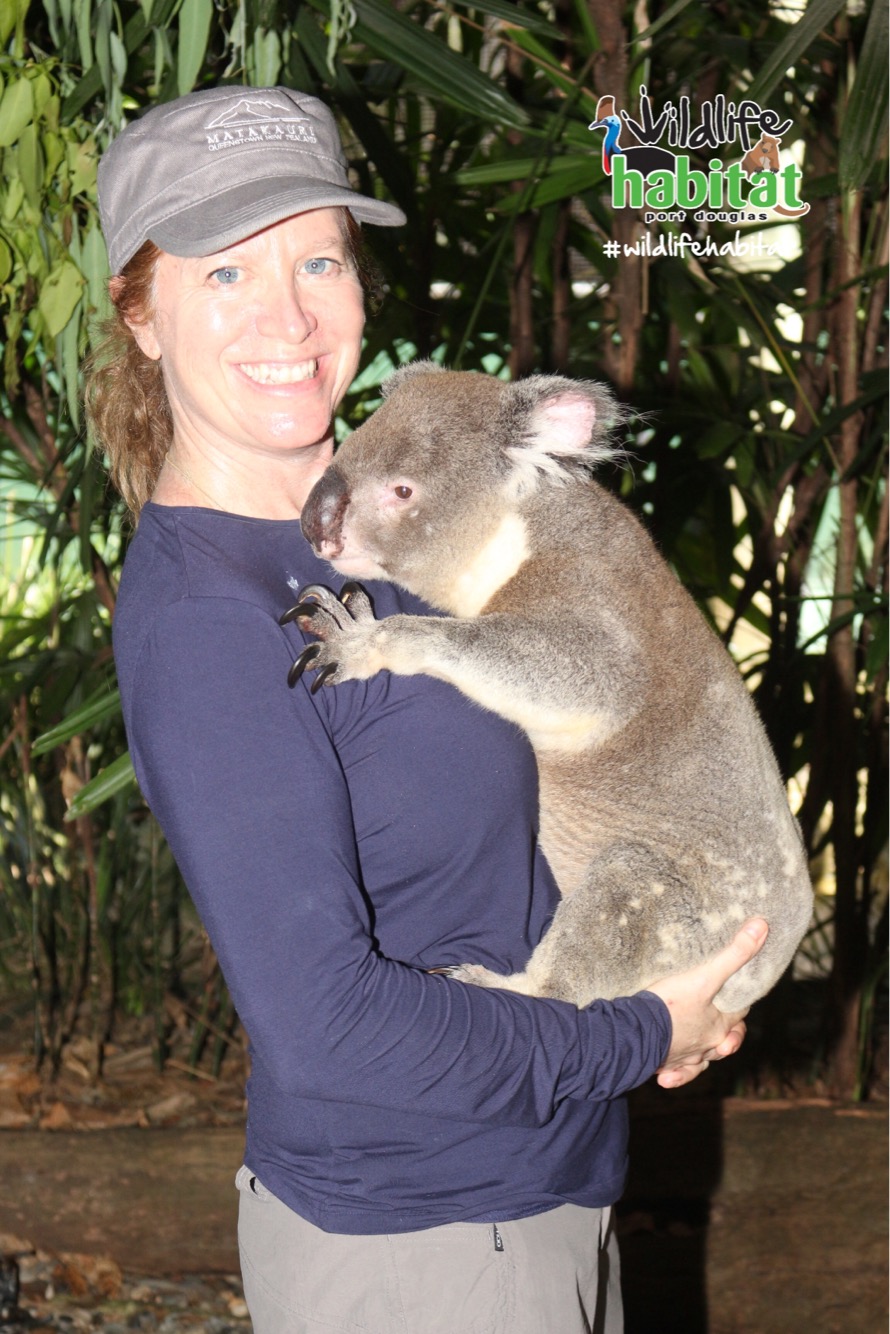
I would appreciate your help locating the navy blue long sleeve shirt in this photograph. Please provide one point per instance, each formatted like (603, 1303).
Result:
(337, 846)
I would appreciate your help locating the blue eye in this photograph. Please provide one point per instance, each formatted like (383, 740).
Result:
(317, 267)
(226, 275)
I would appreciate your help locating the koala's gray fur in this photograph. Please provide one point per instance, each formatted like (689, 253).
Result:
(663, 814)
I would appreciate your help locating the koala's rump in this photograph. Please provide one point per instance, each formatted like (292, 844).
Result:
(674, 827)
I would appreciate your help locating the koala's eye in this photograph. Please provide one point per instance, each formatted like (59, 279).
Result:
(403, 492)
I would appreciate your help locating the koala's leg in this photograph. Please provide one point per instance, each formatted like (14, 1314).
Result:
(633, 920)
(507, 662)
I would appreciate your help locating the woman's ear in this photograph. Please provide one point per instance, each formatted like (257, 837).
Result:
(142, 331)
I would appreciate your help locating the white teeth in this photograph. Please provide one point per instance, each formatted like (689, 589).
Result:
(274, 372)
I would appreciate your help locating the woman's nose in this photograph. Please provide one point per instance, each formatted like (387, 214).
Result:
(286, 313)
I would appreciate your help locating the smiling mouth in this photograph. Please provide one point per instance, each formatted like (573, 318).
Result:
(276, 372)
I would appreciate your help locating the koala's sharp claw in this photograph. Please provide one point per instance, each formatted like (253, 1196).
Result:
(357, 601)
(309, 652)
(348, 589)
(302, 608)
(317, 591)
(324, 673)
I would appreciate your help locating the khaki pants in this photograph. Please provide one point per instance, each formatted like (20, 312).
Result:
(555, 1273)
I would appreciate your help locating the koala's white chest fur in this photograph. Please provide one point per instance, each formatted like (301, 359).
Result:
(465, 592)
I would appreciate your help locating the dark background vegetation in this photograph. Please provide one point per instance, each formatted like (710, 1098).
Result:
(758, 460)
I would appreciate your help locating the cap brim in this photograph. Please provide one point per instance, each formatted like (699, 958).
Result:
(235, 214)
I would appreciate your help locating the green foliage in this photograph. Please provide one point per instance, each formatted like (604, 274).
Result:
(758, 460)
(52, 258)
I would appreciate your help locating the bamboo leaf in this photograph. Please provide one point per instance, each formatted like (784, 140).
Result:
(865, 119)
(440, 71)
(94, 265)
(818, 15)
(591, 36)
(103, 704)
(12, 15)
(68, 362)
(265, 53)
(101, 43)
(16, 111)
(390, 164)
(29, 163)
(663, 20)
(510, 13)
(43, 90)
(135, 33)
(194, 29)
(519, 169)
(118, 53)
(83, 15)
(555, 185)
(82, 163)
(59, 296)
(555, 74)
(114, 778)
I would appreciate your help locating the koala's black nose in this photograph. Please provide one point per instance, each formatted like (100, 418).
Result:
(322, 515)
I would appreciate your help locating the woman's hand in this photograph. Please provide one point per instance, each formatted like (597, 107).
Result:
(701, 1032)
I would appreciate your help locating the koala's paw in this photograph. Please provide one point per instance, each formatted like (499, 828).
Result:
(345, 627)
(477, 975)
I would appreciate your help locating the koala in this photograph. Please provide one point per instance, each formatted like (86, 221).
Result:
(764, 156)
(662, 811)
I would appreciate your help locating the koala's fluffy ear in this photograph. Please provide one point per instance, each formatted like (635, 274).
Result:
(557, 427)
(408, 372)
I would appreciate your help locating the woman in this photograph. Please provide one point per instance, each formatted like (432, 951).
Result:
(421, 1155)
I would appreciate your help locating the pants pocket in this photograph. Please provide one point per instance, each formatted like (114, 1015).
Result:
(246, 1180)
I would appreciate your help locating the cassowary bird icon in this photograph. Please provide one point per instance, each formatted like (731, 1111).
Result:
(643, 158)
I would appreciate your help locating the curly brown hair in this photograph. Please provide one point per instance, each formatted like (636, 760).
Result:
(126, 401)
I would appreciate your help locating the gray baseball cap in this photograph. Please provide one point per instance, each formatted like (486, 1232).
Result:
(205, 171)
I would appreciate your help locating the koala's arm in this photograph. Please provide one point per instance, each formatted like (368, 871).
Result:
(563, 682)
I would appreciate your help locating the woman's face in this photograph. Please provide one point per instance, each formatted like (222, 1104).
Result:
(259, 342)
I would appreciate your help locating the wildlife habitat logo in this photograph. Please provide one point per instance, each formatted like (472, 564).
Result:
(662, 183)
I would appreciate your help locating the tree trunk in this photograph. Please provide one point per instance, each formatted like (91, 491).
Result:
(624, 306)
(851, 938)
(522, 318)
(521, 333)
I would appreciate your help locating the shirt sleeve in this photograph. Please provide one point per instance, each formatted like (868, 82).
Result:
(246, 785)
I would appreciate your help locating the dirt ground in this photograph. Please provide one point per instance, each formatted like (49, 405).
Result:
(748, 1217)
(740, 1217)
